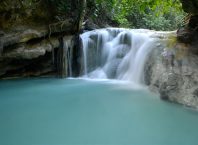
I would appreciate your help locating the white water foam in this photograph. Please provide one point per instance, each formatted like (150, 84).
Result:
(117, 53)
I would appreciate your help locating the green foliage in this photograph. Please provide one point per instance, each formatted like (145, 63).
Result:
(152, 14)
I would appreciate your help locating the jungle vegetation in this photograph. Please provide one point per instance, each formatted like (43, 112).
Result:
(150, 14)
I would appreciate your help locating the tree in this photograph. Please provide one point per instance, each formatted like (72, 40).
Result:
(82, 12)
(153, 14)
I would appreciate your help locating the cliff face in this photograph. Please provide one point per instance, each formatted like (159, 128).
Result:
(176, 82)
(30, 34)
(176, 78)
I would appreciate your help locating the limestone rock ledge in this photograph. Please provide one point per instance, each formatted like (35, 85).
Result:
(176, 84)
(29, 52)
(31, 34)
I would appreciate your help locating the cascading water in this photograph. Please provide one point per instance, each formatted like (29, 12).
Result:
(116, 53)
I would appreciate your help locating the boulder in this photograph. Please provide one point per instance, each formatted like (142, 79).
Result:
(176, 84)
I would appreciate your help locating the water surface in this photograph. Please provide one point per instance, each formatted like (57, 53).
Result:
(82, 112)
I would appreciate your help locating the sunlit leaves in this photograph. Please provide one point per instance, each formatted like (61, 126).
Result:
(153, 14)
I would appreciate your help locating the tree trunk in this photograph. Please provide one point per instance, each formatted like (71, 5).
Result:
(81, 15)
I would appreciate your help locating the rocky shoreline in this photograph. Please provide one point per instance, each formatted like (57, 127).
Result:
(178, 84)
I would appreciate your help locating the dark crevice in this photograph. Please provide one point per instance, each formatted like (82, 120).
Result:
(77, 52)
(33, 67)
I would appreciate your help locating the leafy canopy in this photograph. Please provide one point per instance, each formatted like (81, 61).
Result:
(152, 14)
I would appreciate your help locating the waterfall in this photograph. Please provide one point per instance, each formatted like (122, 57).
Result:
(65, 57)
(69, 59)
(117, 53)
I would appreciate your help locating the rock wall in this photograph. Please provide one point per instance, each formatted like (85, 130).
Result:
(30, 53)
(175, 81)
(176, 78)
(30, 33)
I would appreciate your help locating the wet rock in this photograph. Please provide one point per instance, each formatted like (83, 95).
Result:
(172, 81)
(23, 36)
(195, 93)
(174, 84)
(148, 73)
(29, 36)
(27, 67)
(1, 33)
(184, 35)
(1, 46)
(33, 58)
(32, 51)
(163, 92)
